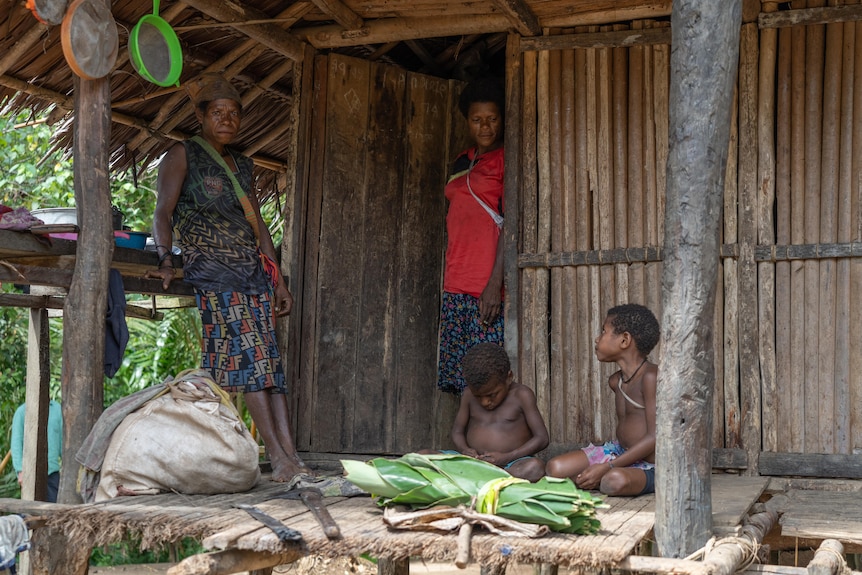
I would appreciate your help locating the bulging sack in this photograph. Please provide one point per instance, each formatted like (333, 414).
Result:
(186, 441)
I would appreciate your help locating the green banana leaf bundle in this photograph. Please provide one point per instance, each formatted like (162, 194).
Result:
(422, 481)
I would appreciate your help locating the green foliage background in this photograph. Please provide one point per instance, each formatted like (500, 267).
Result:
(32, 175)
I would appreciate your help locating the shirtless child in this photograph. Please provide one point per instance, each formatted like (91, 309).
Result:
(625, 466)
(498, 420)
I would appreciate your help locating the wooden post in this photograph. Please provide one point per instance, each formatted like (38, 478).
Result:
(232, 561)
(703, 65)
(53, 552)
(84, 313)
(393, 566)
(35, 462)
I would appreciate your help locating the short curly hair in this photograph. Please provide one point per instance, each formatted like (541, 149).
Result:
(483, 363)
(639, 321)
(487, 89)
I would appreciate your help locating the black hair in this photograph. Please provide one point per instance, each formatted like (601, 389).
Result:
(487, 89)
(639, 321)
(485, 362)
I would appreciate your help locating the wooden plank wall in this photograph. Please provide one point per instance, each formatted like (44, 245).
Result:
(818, 123)
(373, 258)
(788, 366)
(597, 183)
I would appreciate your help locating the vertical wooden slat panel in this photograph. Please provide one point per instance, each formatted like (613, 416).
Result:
(766, 232)
(796, 422)
(511, 196)
(307, 405)
(813, 128)
(596, 312)
(541, 312)
(529, 221)
(559, 409)
(749, 369)
(428, 107)
(843, 334)
(578, 416)
(377, 339)
(636, 204)
(619, 103)
(582, 240)
(782, 228)
(855, 319)
(828, 232)
(652, 271)
(293, 246)
(604, 421)
(728, 425)
(340, 269)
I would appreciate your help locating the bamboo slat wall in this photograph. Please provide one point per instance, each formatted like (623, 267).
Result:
(788, 367)
(597, 183)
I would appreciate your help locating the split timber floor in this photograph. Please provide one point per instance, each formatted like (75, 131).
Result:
(162, 519)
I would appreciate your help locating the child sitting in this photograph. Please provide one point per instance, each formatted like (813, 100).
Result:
(625, 466)
(498, 420)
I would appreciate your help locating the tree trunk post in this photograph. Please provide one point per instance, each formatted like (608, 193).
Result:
(84, 312)
(704, 61)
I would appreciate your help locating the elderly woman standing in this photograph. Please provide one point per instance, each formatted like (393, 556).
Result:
(472, 303)
(205, 195)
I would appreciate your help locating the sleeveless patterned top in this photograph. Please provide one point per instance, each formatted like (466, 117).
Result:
(219, 246)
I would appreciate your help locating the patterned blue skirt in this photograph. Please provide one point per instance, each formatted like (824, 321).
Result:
(461, 329)
(238, 345)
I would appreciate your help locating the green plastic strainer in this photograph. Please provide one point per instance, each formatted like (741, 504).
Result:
(155, 50)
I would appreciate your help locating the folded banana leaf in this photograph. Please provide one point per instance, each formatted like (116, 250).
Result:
(422, 481)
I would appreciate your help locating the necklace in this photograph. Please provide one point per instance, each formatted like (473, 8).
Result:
(634, 373)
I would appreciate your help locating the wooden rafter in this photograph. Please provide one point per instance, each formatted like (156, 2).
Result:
(822, 15)
(270, 35)
(521, 16)
(623, 11)
(349, 19)
(400, 29)
(423, 55)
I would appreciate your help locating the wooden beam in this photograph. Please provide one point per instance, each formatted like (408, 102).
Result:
(349, 19)
(806, 16)
(826, 465)
(400, 29)
(270, 35)
(623, 11)
(727, 554)
(703, 72)
(54, 302)
(611, 39)
(232, 561)
(521, 16)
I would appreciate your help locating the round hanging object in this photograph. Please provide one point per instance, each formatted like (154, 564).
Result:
(49, 12)
(155, 50)
(89, 38)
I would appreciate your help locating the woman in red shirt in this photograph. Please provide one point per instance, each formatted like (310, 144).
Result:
(472, 303)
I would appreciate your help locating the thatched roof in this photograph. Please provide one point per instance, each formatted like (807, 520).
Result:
(445, 38)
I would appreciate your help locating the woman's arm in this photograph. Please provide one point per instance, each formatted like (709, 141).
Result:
(490, 302)
(172, 173)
